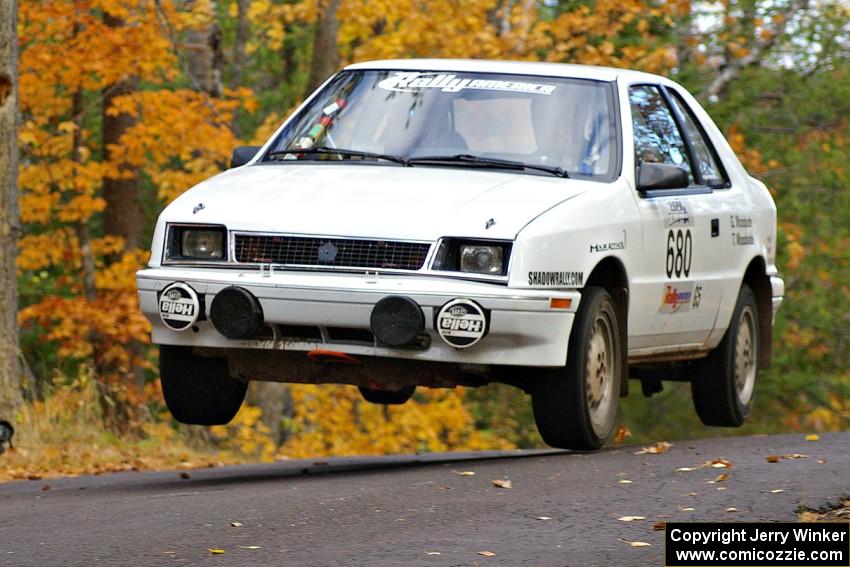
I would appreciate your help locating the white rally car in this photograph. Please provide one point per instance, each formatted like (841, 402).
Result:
(439, 223)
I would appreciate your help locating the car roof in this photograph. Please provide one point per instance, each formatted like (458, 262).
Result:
(509, 67)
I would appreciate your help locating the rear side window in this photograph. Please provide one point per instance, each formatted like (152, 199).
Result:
(657, 137)
(709, 171)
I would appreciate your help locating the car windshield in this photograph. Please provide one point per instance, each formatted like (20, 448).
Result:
(563, 126)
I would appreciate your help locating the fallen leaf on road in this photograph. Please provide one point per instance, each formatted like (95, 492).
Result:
(777, 491)
(731, 509)
(657, 449)
(235, 524)
(625, 481)
(465, 473)
(813, 437)
(794, 456)
(772, 458)
(821, 461)
(622, 433)
(688, 509)
(721, 477)
(184, 475)
(687, 469)
(486, 553)
(631, 518)
(659, 526)
(721, 488)
(215, 551)
(432, 553)
(502, 483)
(250, 547)
(636, 543)
(46, 487)
(544, 518)
(720, 464)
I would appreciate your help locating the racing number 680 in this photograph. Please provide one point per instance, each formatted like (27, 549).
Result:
(680, 247)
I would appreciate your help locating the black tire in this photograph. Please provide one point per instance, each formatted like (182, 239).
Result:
(722, 384)
(198, 390)
(561, 397)
(388, 397)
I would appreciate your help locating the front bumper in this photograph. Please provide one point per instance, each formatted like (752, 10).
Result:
(524, 330)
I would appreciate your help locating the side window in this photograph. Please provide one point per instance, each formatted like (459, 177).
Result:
(657, 138)
(710, 173)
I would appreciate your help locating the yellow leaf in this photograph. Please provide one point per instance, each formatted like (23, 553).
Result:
(813, 437)
(215, 551)
(622, 433)
(657, 449)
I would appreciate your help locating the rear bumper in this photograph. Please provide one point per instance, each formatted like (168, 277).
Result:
(777, 287)
(523, 329)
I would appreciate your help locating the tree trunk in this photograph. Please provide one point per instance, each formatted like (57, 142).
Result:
(240, 57)
(204, 59)
(274, 400)
(10, 361)
(325, 59)
(123, 215)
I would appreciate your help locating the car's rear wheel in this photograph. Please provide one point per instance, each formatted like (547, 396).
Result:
(723, 383)
(388, 397)
(575, 407)
(198, 390)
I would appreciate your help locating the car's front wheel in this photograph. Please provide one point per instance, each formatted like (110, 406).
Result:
(198, 390)
(723, 384)
(575, 407)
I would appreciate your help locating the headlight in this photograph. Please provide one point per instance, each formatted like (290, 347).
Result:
(469, 256)
(480, 259)
(197, 243)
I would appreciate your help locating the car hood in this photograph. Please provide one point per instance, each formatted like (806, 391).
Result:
(373, 201)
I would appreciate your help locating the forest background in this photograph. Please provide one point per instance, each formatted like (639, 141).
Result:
(124, 104)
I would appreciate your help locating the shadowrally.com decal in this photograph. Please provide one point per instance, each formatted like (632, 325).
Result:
(451, 83)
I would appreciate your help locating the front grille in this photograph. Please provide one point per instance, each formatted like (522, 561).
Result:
(332, 252)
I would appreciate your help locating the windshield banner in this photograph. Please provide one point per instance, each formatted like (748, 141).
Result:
(410, 81)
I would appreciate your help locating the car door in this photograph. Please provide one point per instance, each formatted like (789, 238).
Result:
(678, 290)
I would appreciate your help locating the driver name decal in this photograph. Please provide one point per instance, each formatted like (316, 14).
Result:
(450, 83)
(556, 279)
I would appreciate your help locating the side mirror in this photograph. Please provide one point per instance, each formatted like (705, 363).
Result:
(661, 176)
(243, 155)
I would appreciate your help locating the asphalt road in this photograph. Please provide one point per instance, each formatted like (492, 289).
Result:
(417, 510)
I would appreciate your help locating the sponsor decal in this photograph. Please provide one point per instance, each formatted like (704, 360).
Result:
(556, 279)
(461, 323)
(744, 238)
(676, 298)
(608, 246)
(677, 214)
(410, 81)
(739, 239)
(697, 297)
(179, 306)
(741, 221)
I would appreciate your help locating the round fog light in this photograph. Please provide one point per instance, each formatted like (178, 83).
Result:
(236, 313)
(397, 321)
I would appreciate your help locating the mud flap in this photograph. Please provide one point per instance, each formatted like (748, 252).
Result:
(621, 298)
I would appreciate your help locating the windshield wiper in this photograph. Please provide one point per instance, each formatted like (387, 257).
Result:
(322, 150)
(481, 160)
